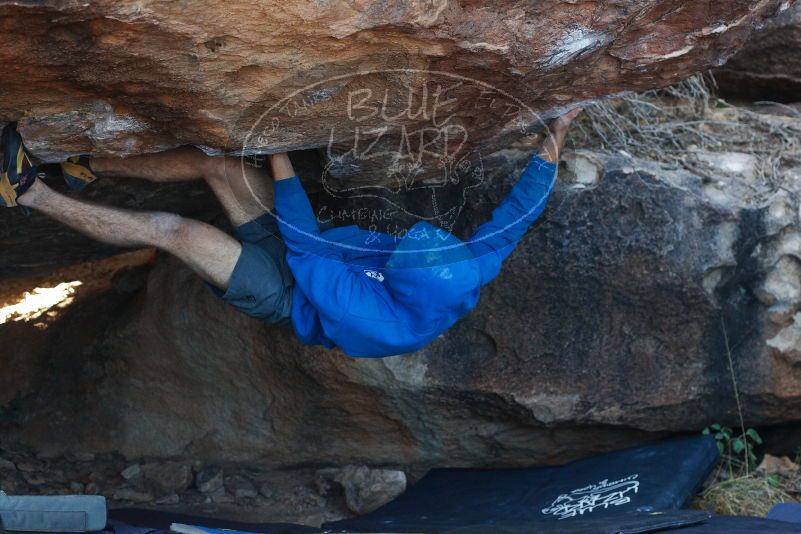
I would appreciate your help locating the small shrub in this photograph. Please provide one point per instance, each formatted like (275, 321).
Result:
(736, 452)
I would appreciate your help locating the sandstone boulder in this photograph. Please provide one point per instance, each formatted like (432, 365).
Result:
(124, 77)
(365, 489)
(612, 323)
(387, 93)
(615, 321)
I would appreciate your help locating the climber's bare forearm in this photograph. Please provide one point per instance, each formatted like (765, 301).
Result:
(282, 167)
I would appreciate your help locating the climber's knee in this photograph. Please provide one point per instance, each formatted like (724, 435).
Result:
(217, 169)
(168, 230)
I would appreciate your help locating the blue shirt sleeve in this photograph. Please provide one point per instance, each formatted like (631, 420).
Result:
(494, 240)
(317, 265)
(296, 219)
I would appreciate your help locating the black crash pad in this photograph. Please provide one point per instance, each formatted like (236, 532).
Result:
(656, 477)
(740, 525)
(670, 522)
(160, 521)
(786, 511)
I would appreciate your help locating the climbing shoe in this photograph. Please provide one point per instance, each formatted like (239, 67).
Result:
(17, 172)
(77, 172)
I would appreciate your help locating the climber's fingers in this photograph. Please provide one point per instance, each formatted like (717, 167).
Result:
(552, 146)
(572, 114)
(561, 124)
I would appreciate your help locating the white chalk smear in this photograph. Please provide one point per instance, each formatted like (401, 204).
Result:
(575, 42)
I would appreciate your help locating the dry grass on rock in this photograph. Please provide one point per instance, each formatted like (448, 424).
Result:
(743, 496)
(681, 126)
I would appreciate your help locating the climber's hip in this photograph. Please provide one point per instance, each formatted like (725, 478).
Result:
(261, 283)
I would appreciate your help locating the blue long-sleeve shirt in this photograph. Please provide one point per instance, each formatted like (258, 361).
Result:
(373, 295)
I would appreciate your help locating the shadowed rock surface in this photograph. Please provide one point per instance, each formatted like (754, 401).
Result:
(609, 324)
(606, 327)
(768, 66)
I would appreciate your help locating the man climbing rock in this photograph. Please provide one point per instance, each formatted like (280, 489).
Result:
(369, 295)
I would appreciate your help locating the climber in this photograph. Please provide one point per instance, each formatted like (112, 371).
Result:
(345, 287)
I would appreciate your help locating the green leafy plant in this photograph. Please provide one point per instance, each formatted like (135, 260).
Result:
(734, 447)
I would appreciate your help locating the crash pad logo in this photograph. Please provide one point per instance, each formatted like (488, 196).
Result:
(600, 495)
(396, 146)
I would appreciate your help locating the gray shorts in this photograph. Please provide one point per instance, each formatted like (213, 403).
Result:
(261, 284)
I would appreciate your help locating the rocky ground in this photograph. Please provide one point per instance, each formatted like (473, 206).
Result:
(301, 495)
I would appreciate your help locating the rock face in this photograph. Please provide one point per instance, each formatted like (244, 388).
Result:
(614, 321)
(387, 93)
(609, 324)
(365, 489)
(123, 77)
(768, 66)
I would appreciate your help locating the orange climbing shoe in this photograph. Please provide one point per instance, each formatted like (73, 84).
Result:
(17, 172)
(77, 172)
